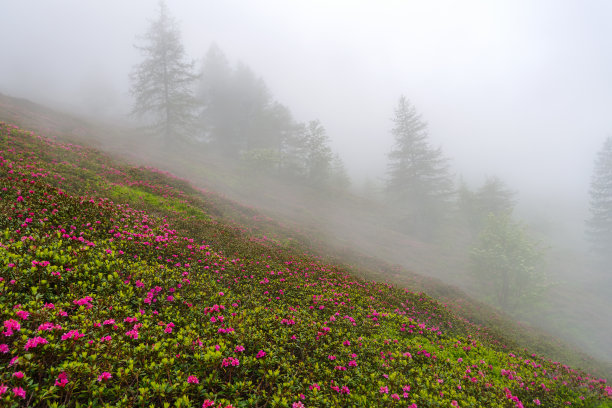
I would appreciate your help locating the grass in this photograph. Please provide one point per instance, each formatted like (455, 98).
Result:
(125, 286)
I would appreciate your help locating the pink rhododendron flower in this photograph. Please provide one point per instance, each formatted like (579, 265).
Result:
(261, 354)
(84, 302)
(19, 392)
(72, 334)
(230, 361)
(104, 376)
(18, 374)
(10, 325)
(132, 333)
(208, 403)
(192, 379)
(62, 380)
(33, 342)
(23, 315)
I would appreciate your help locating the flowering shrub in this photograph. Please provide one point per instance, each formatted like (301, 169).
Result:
(105, 304)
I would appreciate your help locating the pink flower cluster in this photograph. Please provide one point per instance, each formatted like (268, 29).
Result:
(84, 302)
(72, 334)
(230, 361)
(132, 333)
(23, 315)
(48, 326)
(105, 376)
(10, 325)
(62, 379)
(33, 342)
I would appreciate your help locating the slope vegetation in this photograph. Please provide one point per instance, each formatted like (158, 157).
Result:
(123, 286)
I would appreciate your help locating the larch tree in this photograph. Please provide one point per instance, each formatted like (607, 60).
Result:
(162, 84)
(419, 182)
(599, 224)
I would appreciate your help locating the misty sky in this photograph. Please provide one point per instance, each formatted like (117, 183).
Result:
(518, 89)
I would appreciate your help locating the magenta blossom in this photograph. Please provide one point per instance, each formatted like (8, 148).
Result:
(62, 379)
(33, 342)
(19, 392)
(104, 376)
(23, 315)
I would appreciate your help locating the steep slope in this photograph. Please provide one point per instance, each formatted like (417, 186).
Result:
(110, 305)
(342, 228)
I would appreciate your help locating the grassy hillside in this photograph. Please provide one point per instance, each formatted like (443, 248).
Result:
(124, 286)
(349, 230)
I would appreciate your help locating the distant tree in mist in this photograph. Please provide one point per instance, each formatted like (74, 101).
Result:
(318, 153)
(506, 264)
(214, 92)
(339, 176)
(241, 119)
(493, 197)
(239, 113)
(162, 84)
(599, 224)
(419, 181)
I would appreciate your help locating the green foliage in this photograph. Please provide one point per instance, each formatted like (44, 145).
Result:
(505, 264)
(105, 304)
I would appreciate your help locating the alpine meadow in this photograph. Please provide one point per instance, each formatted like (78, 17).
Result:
(305, 204)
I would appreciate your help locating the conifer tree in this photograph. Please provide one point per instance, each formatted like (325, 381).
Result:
(318, 153)
(418, 182)
(339, 176)
(217, 120)
(162, 82)
(599, 225)
(493, 197)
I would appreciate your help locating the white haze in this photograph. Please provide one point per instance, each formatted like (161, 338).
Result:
(518, 89)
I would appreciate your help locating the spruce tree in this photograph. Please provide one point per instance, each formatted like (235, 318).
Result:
(599, 225)
(419, 182)
(162, 82)
(493, 197)
(318, 154)
(218, 118)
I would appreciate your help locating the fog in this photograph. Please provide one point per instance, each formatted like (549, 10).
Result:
(520, 90)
